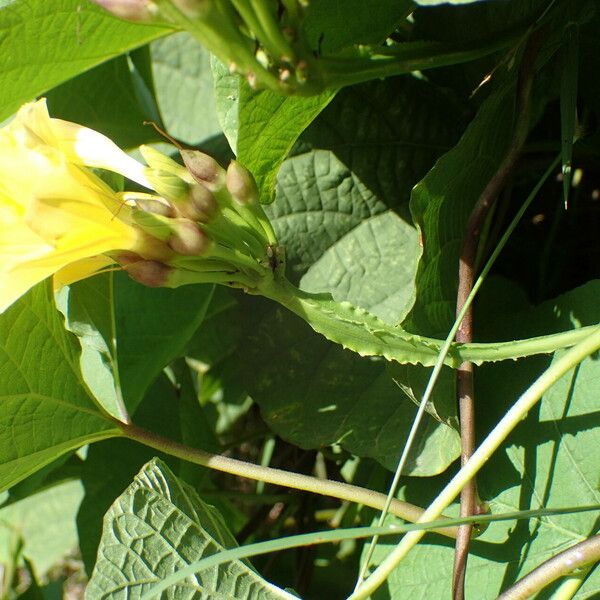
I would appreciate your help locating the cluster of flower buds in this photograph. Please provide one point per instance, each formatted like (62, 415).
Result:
(198, 223)
(261, 39)
(210, 219)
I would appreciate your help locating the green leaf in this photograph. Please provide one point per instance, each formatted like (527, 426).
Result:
(269, 125)
(441, 204)
(184, 88)
(319, 201)
(313, 393)
(227, 92)
(46, 409)
(260, 125)
(115, 109)
(45, 522)
(129, 333)
(331, 26)
(45, 43)
(374, 267)
(159, 525)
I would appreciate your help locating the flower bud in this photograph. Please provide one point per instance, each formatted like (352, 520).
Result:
(188, 239)
(156, 206)
(241, 184)
(203, 168)
(161, 162)
(133, 10)
(150, 273)
(200, 205)
(167, 185)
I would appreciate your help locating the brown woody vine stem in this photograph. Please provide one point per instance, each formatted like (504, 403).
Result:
(466, 279)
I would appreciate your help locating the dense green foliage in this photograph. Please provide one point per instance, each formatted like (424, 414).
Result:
(368, 176)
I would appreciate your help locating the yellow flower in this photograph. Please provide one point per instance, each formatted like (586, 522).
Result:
(57, 217)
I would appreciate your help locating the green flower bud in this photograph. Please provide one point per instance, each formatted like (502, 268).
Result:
(241, 184)
(161, 162)
(133, 10)
(203, 168)
(168, 185)
(188, 239)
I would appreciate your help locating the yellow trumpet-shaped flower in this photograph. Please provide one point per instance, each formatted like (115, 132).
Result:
(57, 217)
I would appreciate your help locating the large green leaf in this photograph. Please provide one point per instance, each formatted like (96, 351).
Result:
(314, 393)
(269, 126)
(260, 125)
(373, 266)
(369, 148)
(319, 201)
(159, 525)
(45, 523)
(551, 460)
(45, 43)
(184, 88)
(331, 26)
(441, 204)
(129, 333)
(46, 410)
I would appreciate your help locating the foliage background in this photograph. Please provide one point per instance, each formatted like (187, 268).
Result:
(370, 202)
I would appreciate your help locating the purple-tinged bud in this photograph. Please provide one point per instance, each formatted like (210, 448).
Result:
(200, 205)
(188, 239)
(241, 184)
(203, 168)
(132, 10)
(150, 273)
(155, 206)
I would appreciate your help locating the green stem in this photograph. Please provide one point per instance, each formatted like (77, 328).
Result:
(571, 358)
(217, 29)
(407, 57)
(235, 279)
(228, 228)
(324, 487)
(320, 537)
(581, 555)
(362, 332)
(262, 24)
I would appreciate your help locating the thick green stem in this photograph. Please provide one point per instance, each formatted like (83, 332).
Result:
(324, 487)
(217, 29)
(581, 555)
(362, 332)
